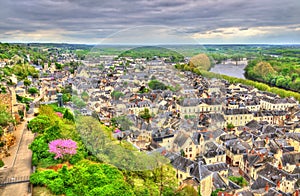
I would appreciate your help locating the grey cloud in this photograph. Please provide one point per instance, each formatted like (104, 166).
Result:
(102, 18)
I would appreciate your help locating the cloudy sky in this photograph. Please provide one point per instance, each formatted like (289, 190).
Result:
(150, 21)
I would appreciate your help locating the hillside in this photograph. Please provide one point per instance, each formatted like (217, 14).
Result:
(150, 52)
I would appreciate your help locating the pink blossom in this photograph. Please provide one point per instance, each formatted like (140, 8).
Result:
(60, 115)
(62, 147)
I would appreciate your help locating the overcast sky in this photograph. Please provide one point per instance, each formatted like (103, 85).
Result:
(150, 21)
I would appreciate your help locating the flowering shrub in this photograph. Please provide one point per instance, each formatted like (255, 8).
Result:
(62, 147)
(60, 115)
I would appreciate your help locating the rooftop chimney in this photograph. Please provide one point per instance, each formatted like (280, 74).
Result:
(278, 184)
(267, 187)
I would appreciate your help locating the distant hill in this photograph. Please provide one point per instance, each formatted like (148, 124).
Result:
(200, 61)
(150, 52)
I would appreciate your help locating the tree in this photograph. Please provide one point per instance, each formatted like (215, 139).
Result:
(33, 90)
(122, 121)
(200, 61)
(230, 126)
(68, 115)
(145, 114)
(157, 85)
(27, 83)
(116, 95)
(1, 163)
(62, 148)
(85, 96)
(5, 116)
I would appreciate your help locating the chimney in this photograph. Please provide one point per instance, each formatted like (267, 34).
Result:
(261, 157)
(297, 193)
(267, 140)
(278, 184)
(279, 165)
(267, 187)
(211, 137)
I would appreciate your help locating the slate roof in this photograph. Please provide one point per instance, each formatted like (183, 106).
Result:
(181, 138)
(217, 167)
(290, 158)
(218, 182)
(179, 162)
(274, 174)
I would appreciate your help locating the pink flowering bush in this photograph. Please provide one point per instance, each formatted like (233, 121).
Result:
(60, 115)
(62, 148)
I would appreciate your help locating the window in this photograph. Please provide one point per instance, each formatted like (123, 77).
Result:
(190, 149)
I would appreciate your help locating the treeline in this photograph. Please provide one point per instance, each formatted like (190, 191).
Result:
(259, 85)
(150, 53)
(280, 72)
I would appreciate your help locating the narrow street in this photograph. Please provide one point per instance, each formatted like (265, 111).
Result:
(19, 163)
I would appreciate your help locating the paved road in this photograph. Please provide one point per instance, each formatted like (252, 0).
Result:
(19, 163)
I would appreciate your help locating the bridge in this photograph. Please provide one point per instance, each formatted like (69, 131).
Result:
(14, 180)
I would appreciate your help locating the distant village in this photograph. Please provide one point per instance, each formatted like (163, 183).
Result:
(209, 129)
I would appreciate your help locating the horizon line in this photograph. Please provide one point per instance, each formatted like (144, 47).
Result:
(148, 44)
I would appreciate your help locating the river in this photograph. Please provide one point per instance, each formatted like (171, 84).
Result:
(230, 70)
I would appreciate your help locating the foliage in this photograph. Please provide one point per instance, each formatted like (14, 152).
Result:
(1, 163)
(39, 124)
(157, 85)
(97, 141)
(5, 116)
(200, 61)
(280, 72)
(85, 178)
(123, 122)
(24, 70)
(188, 191)
(33, 90)
(151, 52)
(238, 180)
(189, 116)
(62, 148)
(27, 82)
(116, 95)
(230, 126)
(85, 96)
(78, 101)
(68, 115)
(66, 97)
(58, 65)
(145, 114)
(215, 192)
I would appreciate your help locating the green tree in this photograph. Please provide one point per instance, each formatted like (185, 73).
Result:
(33, 90)
(116, 95)
(157, 85)
(230, 126)
(145, 114)
(27, 83)
(122, 122)
(5, 116)
(85, 96)
(68, 115)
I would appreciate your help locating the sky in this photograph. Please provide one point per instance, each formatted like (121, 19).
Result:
(150, 21)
